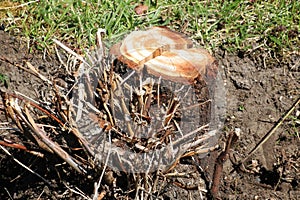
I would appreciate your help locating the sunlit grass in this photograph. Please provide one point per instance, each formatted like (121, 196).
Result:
(4, 79)
(231, 25)
(295, 123)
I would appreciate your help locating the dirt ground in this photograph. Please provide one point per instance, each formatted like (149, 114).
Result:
(260, 89)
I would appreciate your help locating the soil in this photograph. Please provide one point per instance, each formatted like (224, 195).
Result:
(260, 89)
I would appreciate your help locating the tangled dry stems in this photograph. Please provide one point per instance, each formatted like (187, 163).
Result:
(99, 93)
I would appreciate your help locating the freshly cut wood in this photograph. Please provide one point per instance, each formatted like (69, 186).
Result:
(183, 65)
(141, 46)
(164, 53)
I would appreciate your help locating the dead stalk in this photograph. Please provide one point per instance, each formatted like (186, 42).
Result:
(24, 166)
(272, 131)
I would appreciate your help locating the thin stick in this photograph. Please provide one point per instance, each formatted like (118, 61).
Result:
(268, 135)
(219, 167)
(61, 61)
(70, 51)
(32, 70)
(190, 134)
(97, 186)
(35, 71)
(79, 192)
(27, 168)
(21, 147)
(10, 197)
(17, 65)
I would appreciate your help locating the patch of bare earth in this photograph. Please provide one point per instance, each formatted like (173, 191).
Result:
(259, 91)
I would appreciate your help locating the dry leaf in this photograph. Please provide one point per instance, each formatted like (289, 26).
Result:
(140, 9)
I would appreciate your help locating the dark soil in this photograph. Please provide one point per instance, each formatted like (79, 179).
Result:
(258, 95)
(260, 89)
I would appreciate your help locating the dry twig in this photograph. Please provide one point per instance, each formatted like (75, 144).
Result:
(271, 132)
(21, 164)
(219, 166)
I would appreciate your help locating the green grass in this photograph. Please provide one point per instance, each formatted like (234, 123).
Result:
(295, 123)
(232, 25)
(4, 79)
